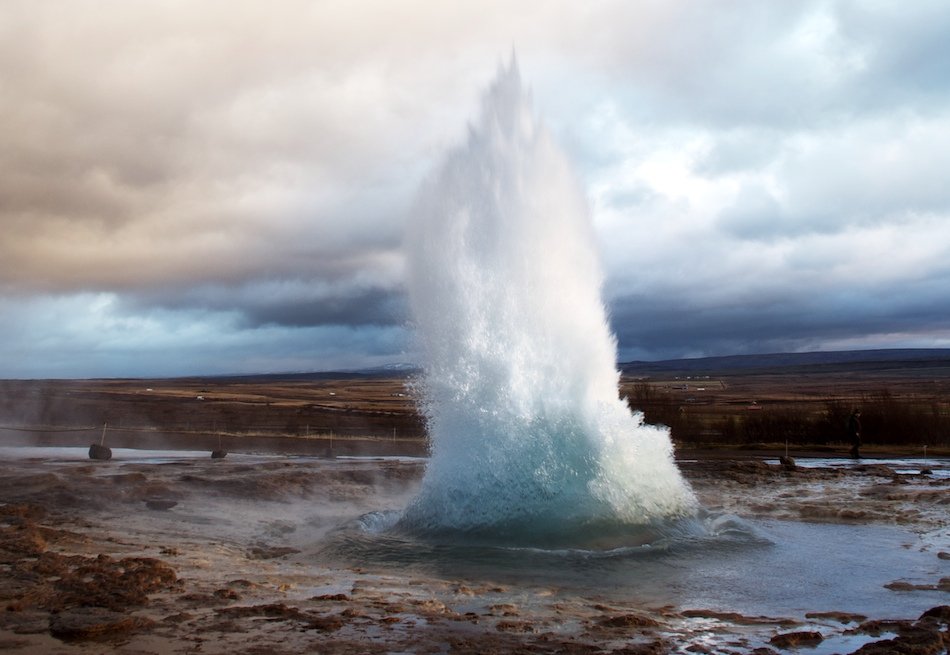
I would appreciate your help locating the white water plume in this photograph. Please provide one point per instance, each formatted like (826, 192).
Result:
(520, 384)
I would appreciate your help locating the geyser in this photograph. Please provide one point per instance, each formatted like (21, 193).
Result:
(529, 439)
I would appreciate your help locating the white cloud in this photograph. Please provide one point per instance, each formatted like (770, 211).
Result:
(222, 165)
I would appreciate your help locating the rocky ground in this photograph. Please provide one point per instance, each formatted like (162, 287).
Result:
(202, 556)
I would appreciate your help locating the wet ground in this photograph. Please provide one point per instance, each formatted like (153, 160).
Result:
(172, 552)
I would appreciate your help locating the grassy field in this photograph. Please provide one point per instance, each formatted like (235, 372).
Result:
(265, 412)
(902, 406)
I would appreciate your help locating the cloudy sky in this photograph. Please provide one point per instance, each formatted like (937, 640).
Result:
(196, 187)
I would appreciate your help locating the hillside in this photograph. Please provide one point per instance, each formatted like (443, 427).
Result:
(931, 362)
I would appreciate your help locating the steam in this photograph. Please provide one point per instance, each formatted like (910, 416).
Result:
(520, 382)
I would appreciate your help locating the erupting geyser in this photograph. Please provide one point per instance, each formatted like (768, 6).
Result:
(529, 437)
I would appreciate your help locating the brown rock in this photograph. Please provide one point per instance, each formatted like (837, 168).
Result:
(628, 621)
(335, 597)
(840, 617)
(282, 612)
(921, 639)
(89, 622)
(658, 647)
(792, 639)
(940, 613)
(227, 594)
(270, 552)
(876, 627)
(113, 584)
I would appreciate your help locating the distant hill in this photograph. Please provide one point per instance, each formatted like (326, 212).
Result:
(932, 359)
(903, 358)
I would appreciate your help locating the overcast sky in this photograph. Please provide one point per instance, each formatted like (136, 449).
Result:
(194, 187)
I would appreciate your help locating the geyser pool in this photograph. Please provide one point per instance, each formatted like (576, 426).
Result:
(530, 441)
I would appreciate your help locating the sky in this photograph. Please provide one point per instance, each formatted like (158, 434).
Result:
(217, 187)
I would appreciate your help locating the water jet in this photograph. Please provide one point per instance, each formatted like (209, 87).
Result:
(530, 439)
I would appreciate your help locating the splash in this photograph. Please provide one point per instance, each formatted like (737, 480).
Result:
(528, 434)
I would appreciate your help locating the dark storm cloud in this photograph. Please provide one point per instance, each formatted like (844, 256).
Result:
(283, 303)
(653, 328)
(371, 307)
(232, 178)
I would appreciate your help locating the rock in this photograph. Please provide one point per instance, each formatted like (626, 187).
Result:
(113, 584)
(88, 622)
(515, 626)
(99, 452)
(219, 454)
(628, 621)
(787, 463)
(740, 619)
(227, 594)
(656, 647)
(878, 626)
(921, 639)
(925, 637)
(900, 585)
(333, 597)
(282, 612)
(22, 538)
(178, 617)
(840, 617)
(270, 552)
(940, 613)
(792, 639)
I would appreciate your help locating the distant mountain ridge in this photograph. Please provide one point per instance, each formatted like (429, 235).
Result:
(811, 361)
(905, 357)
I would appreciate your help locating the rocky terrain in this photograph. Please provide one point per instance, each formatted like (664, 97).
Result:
(189, 554)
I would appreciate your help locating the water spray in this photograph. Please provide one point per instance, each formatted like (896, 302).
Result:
(520, 386)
